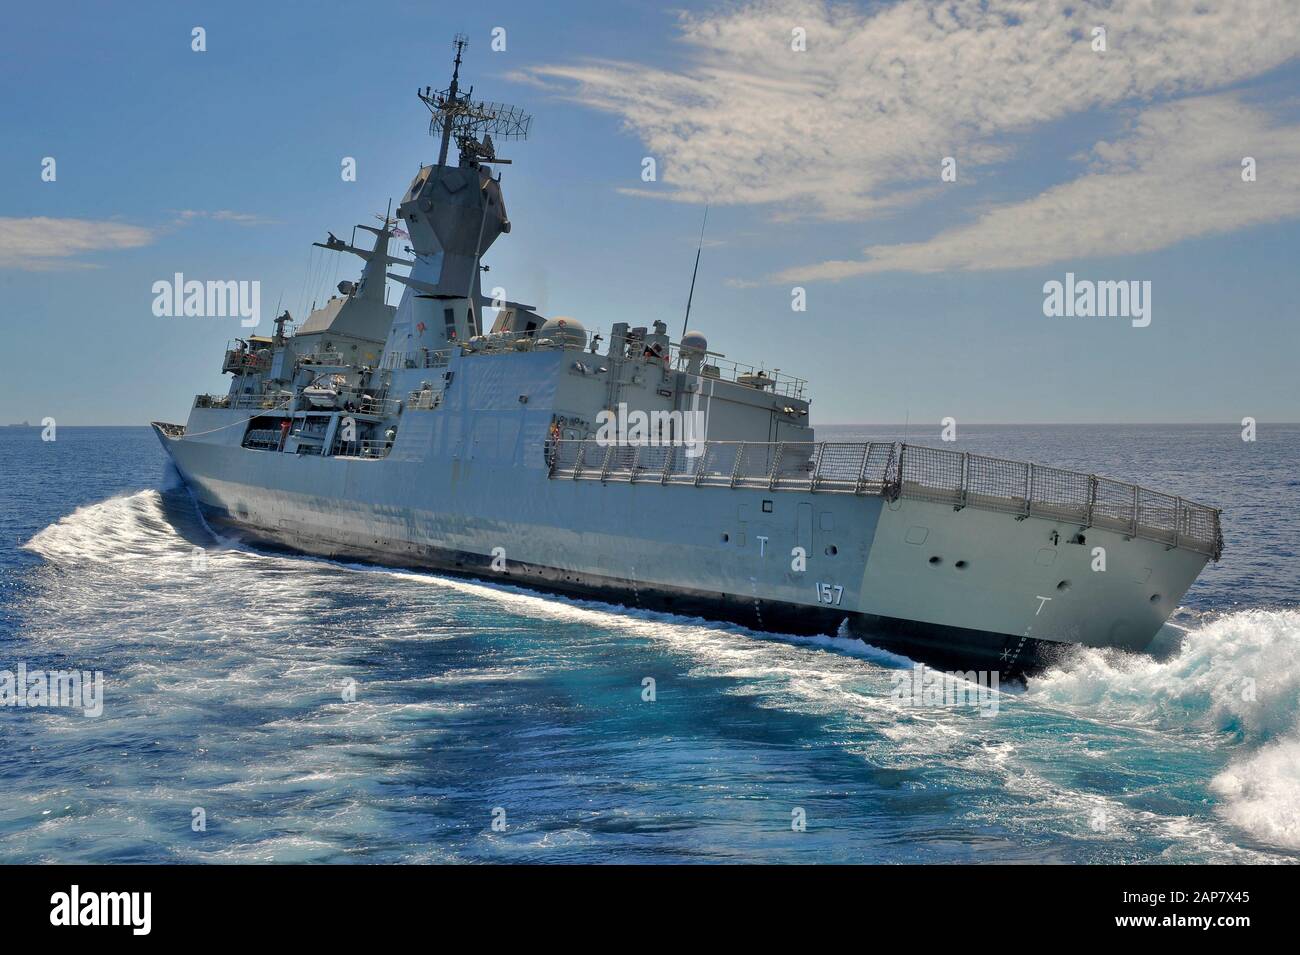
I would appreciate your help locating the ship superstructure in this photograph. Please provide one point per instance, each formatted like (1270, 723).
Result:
(644, 471)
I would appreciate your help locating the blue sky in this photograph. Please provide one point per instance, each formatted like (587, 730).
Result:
(822, 167)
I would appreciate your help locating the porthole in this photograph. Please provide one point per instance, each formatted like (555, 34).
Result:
(936, 561)
(1063, 586)
(1155, 598)
(960, 565)
(832, 550)
(725, 538)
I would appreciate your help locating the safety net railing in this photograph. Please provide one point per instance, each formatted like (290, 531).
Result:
(894, 470)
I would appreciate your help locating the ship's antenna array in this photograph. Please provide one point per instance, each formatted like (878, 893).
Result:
(387, 218)
(472, 122)
(698, 250)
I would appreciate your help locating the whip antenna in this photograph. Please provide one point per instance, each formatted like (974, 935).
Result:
(696, 272)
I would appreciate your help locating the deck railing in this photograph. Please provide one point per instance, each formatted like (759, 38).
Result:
(246, 402)
(361, 449)
(902, 470)
(422, 358)
(425, 400)
(244, 362)
(332, 359)
(355, 400)
(754, 376)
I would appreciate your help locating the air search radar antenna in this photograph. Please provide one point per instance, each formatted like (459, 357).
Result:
(472, 122)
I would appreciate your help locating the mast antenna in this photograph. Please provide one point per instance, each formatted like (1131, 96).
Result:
(473, 123)
(696, 272)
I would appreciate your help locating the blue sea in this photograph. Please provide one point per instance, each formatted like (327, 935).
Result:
(268, 708)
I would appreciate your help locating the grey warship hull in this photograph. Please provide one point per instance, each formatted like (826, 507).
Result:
(973, 585)
(643, 471)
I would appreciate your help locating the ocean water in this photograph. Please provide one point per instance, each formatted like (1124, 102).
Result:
(225, 681)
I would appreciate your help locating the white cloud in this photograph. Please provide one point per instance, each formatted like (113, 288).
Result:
(858, 124)
(41, 243)
(1176, 176)
(186, 216)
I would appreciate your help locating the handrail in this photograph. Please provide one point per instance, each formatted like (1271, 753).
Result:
(424, 400)
(894, 470)
(422, 358)
(242, 361)
(713, 366)
(754, 376)
(368, 403)
(361, 449)
(264, 402)
(328, 358)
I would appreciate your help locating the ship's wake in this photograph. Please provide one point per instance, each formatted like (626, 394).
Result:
(1229, 695)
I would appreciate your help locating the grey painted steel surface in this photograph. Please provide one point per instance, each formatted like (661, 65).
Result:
(900, 470)
(479, 454)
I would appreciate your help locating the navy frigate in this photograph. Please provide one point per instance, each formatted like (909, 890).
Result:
(645, 472)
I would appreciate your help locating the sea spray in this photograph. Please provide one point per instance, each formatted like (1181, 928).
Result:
(1237, 678)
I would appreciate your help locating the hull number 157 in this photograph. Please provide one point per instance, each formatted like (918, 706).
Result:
(830, 593)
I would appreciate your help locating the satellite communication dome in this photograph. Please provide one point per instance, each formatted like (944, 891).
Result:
(568, 331)
(694, 344)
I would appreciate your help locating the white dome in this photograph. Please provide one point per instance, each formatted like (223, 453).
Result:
(564, 329)
(694, 343)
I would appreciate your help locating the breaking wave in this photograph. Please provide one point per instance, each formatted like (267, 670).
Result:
(121, 530)
(1235, 681)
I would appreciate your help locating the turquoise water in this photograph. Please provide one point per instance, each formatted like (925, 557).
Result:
(225, 684)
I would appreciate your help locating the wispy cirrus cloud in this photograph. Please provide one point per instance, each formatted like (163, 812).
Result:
(47, 243)
(42, 243)
(1177, 175)
(857, 124)
(187, 216)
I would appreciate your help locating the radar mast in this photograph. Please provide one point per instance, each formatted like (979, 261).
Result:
(472, 122)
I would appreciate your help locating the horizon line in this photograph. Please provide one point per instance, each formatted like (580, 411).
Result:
(864, 424)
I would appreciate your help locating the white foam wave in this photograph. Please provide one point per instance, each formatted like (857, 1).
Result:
(133, 525)
(1237, 675)
(1262, 793)
(1235, 680)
